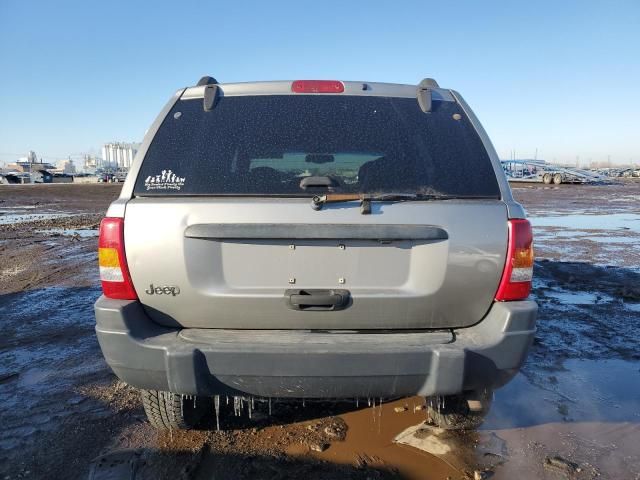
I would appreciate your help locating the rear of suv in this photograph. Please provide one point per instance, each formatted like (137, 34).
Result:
(315, 239)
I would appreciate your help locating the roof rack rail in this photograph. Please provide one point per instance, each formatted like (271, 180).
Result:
(429, 82)
(206, 80)
(424, 93)
(210, 92)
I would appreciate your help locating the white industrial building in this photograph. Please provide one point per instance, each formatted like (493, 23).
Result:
(119, 155)
(90, 163)
(66, 166)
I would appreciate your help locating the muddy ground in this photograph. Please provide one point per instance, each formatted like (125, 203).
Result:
(573, 411)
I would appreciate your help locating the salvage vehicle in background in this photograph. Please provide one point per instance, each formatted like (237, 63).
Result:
(539, 171)
(315, 239)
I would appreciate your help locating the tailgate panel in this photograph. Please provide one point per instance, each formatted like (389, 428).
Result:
(407, 265)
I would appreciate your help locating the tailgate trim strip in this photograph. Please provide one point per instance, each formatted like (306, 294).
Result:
(339, 340)
(264, 231)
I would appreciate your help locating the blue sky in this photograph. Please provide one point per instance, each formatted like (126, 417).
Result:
(562, 77)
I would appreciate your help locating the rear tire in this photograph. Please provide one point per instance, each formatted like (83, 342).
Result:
(557, 179)
(452, 412)
(547, 178)
(174, 411)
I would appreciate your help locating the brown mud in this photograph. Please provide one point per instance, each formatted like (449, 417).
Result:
(572, 412)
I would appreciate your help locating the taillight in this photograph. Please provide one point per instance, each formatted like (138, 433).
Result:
(114, 273)
(317, 86)
(518, 270)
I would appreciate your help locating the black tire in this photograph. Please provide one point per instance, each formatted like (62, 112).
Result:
(557, 179)
(174, 411)
(547, 178)
(452, 412)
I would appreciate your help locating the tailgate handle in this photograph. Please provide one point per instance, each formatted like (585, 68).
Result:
(317, 300)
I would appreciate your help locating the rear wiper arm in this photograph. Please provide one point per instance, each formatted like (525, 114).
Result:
(319, 200)
(365, 199)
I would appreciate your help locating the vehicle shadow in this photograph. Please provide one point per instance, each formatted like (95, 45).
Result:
(267, 412)
(207, 464)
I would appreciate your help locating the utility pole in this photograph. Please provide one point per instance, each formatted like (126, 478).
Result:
(31, 155)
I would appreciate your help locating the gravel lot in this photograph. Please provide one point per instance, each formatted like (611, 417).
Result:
(573, 411)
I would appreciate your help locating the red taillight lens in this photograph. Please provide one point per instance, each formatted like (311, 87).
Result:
(317, 86)
(518, 270)
(114, 273)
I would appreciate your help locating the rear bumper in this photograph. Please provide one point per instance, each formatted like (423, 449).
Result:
(310, 364)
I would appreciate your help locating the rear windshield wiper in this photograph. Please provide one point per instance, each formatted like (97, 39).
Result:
(365, 199)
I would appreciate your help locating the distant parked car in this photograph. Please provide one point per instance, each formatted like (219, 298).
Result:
(105, 177)
(315, 239)
(119, 177)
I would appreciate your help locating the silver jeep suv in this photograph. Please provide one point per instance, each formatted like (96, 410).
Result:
(315, 239)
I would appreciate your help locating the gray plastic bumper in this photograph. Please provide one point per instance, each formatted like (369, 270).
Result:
(288, 363)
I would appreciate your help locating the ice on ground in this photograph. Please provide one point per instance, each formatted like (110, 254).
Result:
(542, 235)
(30, 217)
(70, 232)
(614, 221)
(578, 297)
(634, 307)
(432, 442)
(4, 210)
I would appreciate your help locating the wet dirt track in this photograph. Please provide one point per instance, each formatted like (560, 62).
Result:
(572, 412)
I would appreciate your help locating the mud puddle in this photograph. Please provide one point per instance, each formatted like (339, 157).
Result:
(47, 347)
(345, 440)
(582, 391)
(578, 422)
(539, 426)
(370, 440)
(587, 414)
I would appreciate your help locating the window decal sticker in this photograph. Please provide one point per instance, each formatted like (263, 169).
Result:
(167, 180)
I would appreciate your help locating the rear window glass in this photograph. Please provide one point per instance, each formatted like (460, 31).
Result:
(266, 145)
